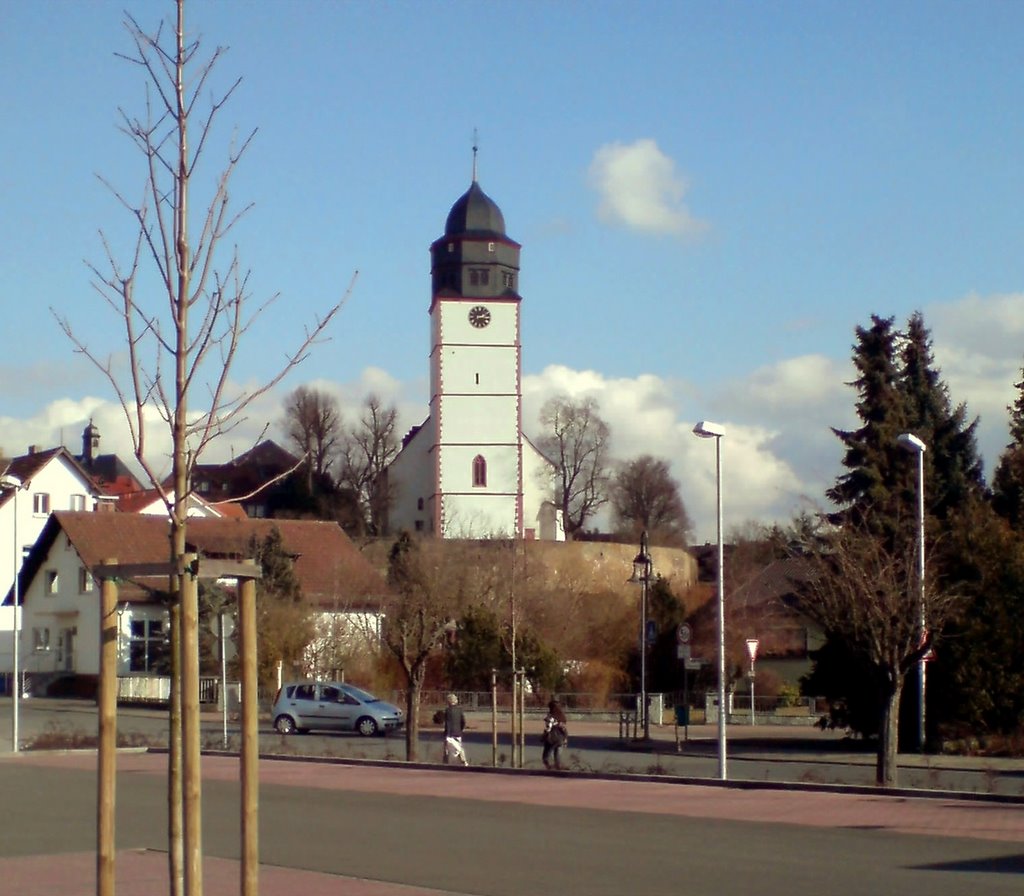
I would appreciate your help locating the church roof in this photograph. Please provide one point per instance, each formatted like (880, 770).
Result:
(475, 214)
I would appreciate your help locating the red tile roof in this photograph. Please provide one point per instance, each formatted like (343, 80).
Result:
(330, 569)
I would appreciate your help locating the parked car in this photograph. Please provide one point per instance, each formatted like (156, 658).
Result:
(332, 706)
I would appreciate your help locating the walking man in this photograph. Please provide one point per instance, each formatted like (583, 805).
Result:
(454, 725)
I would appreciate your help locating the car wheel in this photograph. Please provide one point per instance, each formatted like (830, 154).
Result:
(367, 727)
(285, 725)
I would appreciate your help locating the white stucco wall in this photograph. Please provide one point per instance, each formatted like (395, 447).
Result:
(60, 480)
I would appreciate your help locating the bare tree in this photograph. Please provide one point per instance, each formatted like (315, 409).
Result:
(575, 439)
(644, 496)
(367, 448)
(313, 425)
(867, 595)
(433, 582)
(183, 325)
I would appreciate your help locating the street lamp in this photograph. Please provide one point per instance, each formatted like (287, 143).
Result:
(642, 574)
(12, 481)
(912, 443)
(708, 430)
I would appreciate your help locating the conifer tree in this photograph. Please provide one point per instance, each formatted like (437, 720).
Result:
(1008, 480)
(866, 487)
(953, 469)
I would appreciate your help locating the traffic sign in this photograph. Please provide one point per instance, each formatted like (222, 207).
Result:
(694, 665)
(652, 631)
(683, 634)
(752, 649)
(683, 651)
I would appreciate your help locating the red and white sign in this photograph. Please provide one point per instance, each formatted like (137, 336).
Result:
(752, 648)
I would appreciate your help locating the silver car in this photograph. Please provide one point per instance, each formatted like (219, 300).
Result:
(332, 706)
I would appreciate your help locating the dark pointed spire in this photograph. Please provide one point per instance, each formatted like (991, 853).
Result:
(475, 147)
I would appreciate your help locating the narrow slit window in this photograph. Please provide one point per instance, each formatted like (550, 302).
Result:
(479, 472)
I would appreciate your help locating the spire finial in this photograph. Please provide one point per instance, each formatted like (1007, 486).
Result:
(475, 147)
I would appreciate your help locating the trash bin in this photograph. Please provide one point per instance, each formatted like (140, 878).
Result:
(683, 715)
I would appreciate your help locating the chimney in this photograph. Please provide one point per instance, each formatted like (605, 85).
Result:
(32, 449)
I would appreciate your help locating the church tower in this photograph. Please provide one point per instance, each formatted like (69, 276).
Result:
(475, 392)
(468, 471)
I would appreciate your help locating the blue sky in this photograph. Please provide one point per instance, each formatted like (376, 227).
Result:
(710, 197)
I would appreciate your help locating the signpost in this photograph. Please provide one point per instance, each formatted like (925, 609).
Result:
(752, 650)
(683, 634)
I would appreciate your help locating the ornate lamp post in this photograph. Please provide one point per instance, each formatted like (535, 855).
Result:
(642, 575)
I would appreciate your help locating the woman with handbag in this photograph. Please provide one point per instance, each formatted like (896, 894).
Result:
(556, 735)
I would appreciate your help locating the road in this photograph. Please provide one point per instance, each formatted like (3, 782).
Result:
(761, 753)
(399, 830)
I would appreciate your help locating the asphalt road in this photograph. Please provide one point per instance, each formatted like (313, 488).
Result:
(760, 753)
(455, 831)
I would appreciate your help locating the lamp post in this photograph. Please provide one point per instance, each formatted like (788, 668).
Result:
(642, 575)
(11, 481)
(912, 443)
(705, 429)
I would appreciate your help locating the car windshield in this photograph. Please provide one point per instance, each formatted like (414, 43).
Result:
(360, 694)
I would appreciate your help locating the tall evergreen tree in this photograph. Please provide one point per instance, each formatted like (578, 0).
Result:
(953, 469)
(901, 390)
(866, 489)
(1008, 480)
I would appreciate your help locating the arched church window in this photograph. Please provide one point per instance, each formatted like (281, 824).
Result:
(479, 472)
(419, 503)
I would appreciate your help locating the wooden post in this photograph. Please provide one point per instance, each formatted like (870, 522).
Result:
(494, 718)
(250, 749)
(106, 699)
(191, 757)
(522, 718)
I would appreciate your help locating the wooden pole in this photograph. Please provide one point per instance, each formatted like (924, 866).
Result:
(249, 767)
(107, 749)
(190, 736)
(494, 717)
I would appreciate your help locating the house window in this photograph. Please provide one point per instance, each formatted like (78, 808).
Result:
(479, 277)
(77, 502)
(147, 646)
(40, 639)
(508, 278)
(52, 582)
(490, 247)
(85, 583)
(479, 471)
(419, 525)
(41, 503)
(419, 503)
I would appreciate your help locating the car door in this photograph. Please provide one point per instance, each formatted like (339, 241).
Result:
(303, 705)
(336, 708)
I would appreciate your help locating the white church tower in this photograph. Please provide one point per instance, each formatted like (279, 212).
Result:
(468, 472)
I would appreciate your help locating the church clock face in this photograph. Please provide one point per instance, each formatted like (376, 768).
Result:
(479, 316)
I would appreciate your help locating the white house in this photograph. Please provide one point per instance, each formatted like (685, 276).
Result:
(50, 480)
(149, 501)
(468, 471)
(61, 596)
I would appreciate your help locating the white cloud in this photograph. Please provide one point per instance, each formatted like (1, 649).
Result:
(646, 417)
(639, 189)
(779, 454)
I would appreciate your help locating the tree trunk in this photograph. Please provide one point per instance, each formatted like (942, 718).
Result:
(888, 736)
(412, 715)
